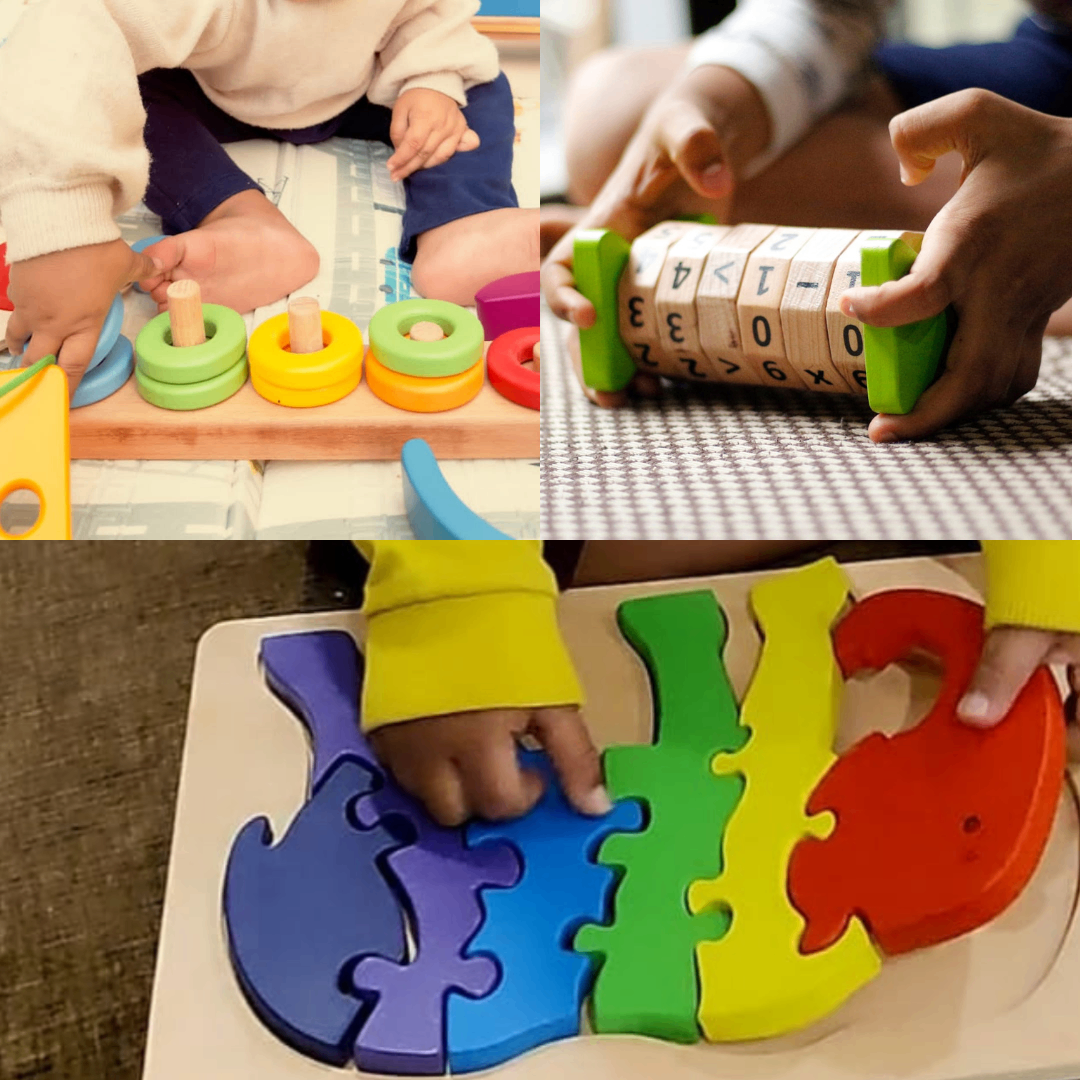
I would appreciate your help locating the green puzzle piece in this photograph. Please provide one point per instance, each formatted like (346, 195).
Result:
(600, 257)
(901, 361)
(647, 983)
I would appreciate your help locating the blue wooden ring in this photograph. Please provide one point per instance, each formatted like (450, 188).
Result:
(106, 378)
(435, 511)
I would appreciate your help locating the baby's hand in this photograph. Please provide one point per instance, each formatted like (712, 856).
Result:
(1009, 658)
(427, 129)
(465, 764)
(61, 301)
(690, 146)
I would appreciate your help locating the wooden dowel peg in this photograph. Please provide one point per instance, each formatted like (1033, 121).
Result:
(305, 325)
(426, 331)
(186, 314)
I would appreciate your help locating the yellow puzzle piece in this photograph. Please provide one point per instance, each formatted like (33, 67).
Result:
(35, 452)
(754, 981)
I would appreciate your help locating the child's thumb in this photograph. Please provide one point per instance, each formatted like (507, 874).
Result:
(694, 146)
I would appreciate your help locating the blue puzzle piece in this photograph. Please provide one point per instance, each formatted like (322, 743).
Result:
(298, 914)
(529, 927)
(317, 675)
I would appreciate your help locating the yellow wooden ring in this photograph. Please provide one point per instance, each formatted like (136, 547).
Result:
(335, 363)
(417, 394)
(305, 399)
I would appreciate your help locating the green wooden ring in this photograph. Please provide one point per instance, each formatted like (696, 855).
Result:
(225, 345)
(186, 396)
(457, 352)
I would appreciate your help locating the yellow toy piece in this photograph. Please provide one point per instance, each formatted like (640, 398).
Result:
(35, 451)
(303, 380)
(754, 981)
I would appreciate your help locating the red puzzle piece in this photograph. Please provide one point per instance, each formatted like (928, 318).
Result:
(5, 277)
(940, 827)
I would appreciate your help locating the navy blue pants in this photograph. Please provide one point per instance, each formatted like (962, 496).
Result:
(191, 174)
(1034, 68)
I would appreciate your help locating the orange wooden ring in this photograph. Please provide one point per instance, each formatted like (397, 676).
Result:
(417, 394)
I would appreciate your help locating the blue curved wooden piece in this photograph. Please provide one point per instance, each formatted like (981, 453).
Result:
(435, 512)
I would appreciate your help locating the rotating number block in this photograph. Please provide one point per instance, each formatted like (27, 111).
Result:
(759, 304)
(192, 356)
(802, 310)
(288, 376)
(676, 307)
(637, 293)
(717, 311)
(506, 360)
(424, 395)
(457, 353)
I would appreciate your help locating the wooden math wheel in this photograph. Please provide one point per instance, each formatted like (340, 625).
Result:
(757, 304)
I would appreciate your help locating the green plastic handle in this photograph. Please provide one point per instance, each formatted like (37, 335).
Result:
(600, 256)
(901, 361)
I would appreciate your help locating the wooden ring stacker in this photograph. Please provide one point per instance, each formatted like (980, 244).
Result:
(756, 304)
(192, 356)
(456, 353)
(424, 395)
(506, 358)
(306, 357)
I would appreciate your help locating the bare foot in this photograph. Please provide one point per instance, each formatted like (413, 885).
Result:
(460, 257)
(243, 255)
(1060, 324)
(556, 220)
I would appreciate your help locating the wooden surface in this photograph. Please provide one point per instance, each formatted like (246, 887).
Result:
(360, 427)
(999, 1002)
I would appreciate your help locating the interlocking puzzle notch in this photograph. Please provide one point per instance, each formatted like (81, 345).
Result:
(941, 826)
(755, 982)
(647, 982)
(901, 361)
(298, 912)
(35, 450)
(318, 676)
(529, 927)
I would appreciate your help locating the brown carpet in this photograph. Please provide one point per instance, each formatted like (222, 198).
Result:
(97, 642)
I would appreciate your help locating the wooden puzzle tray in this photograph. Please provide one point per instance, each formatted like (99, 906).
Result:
(360, 427)
(997, 1003)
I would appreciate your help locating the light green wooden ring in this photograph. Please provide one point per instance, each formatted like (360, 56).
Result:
(183, 397)
(225, 345)
(457, 352)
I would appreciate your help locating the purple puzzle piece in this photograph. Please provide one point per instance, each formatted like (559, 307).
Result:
(509, 303)
(406, 1032)
(317, 674)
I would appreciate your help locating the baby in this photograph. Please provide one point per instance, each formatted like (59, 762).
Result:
(450, 736)
(105, 102)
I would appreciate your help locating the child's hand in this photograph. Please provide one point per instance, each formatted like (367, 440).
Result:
(61, 301)
(1009, 658)
(466, 764)
(693, 141)
(427, 129)
(999, 250)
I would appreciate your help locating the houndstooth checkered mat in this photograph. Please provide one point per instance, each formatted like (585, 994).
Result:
(755, 463)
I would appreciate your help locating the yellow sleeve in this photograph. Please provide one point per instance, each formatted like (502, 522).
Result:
(461, 625)
(1033, 583)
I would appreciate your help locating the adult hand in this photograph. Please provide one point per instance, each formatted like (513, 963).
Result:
(999, 251)
(691, 144)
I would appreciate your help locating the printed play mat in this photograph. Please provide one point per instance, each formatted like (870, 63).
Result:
(811, 869)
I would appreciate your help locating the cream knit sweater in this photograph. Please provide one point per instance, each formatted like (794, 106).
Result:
(71, 119)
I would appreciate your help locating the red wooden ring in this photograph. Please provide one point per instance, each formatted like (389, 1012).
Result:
(505, 357)
(5, 303)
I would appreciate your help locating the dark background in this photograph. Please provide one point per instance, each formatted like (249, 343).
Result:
(97, 642)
